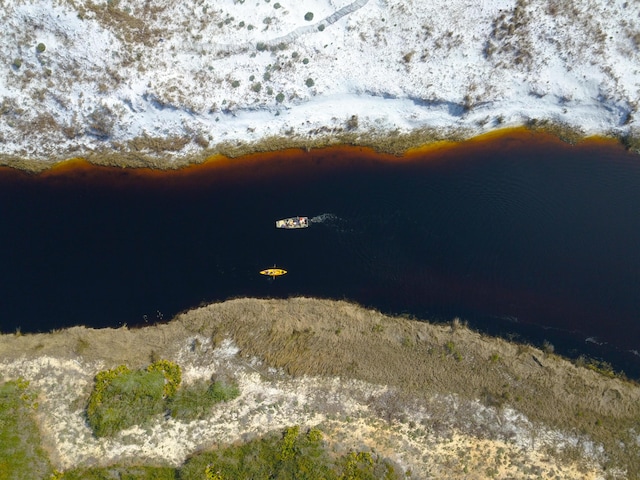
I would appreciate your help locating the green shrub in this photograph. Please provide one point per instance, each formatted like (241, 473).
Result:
(17, 63)
(117, 472)
(280, 97)
(235, 84)
(321, 27)
(309, 82)
(256, 87)
(172, 375)
(122, 398)
(308, 16)
(292, 454)
(20, 453)
(195, 401)
(305, 61)
(223, 391)
(41, 48)
(191, 403)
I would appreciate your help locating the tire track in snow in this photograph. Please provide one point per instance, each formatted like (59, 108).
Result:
(333, 18)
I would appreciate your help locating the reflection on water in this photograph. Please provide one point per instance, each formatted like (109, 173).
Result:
(520, 235)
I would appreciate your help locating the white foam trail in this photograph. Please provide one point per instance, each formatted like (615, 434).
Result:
(325, 217)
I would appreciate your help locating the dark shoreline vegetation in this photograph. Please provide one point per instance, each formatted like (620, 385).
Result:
(419, 362)
(151, 153)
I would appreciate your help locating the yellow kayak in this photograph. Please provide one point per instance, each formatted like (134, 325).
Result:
(273, 272)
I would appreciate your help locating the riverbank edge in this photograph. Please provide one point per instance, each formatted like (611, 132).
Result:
(150, 154)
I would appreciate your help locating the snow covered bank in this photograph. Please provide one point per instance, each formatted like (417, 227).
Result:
(176, 79)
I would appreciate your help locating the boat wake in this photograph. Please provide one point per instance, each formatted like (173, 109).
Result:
(333, 222)
(324, 218)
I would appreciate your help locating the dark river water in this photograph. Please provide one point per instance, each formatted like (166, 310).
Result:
(520, 235)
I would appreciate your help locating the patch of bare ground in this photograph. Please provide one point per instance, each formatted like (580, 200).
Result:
(442, 401)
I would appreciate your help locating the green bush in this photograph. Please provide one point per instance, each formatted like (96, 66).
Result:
(195, 401)
(223, 391)
(17, 63)
(172, 375)
(191, 403)
(292, 454)
(41, 48)
(308, 16)
(123, 473)
(280, 97)
(122, 398)
(20, 453)
(309, 82)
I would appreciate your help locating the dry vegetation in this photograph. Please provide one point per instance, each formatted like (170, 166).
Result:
(456, 403)
(106, 63)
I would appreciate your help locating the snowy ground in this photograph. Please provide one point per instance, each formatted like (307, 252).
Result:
(176, 78)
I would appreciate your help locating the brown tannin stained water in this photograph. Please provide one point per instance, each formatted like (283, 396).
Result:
(519, 234)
